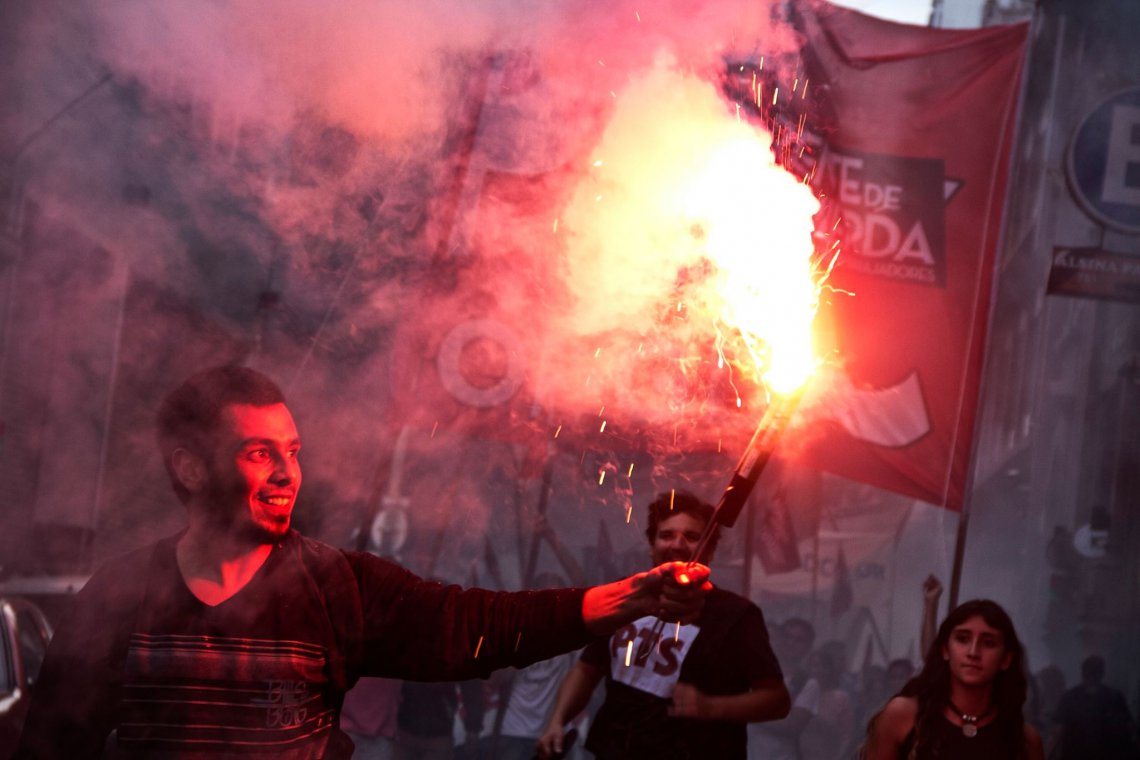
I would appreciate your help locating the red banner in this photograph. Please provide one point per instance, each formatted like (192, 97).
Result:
(917, 140)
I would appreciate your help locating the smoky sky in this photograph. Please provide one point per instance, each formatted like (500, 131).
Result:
(324, 193)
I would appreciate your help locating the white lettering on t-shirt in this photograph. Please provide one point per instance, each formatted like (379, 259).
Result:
(657, 673)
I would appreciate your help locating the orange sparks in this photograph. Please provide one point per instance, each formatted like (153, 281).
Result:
(628, 513)
(775, 95)
(630, 473)
(434, 428)
(677, 633)
(602, 429)
(628, 653)
(555, 228)
(518, 641)
(672, 495)
(601, 476)
(559, 430)
(480, 646)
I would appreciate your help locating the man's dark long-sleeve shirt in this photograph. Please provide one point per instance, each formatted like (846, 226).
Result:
(266, 670)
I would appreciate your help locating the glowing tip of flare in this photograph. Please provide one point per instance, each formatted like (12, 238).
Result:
(789, 377)
(683, 579)
(739, 403)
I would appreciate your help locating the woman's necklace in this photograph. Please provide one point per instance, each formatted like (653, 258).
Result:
(969, 722)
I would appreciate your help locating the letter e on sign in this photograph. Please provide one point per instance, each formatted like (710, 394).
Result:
(1104, 162)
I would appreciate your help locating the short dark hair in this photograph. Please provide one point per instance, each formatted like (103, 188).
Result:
(1092, 668)
(673, 502)
(189, 413)
(806, 628)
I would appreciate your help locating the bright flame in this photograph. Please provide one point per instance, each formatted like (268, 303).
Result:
(763, 285)
(695, 211)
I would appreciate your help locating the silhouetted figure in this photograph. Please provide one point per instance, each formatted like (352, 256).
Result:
(1050, 688)
(829, 732)
(1092, 720)
(780, 739)
(426, 719)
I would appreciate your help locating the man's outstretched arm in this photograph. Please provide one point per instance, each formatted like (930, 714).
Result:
(475, 631)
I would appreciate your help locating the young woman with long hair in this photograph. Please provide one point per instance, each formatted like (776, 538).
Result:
(967, 700)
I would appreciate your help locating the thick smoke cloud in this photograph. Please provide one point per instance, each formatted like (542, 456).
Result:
(326, 196)
(323, 193)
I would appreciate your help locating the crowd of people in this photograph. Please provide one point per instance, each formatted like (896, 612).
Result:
(836, 713)
(238, 637)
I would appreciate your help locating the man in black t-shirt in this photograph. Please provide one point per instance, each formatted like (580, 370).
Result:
(692, 696)
(238, 637)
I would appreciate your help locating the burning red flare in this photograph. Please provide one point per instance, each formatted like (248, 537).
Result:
(685, 210)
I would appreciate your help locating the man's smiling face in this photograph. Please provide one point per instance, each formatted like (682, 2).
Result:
(254, 474)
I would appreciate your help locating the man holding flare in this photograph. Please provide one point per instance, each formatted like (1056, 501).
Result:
(240, 637)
